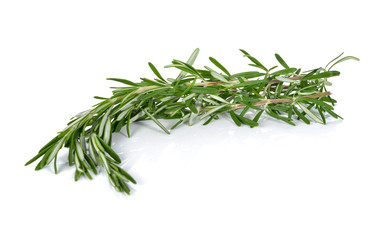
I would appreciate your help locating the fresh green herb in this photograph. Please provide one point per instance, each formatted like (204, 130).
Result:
(194, 95)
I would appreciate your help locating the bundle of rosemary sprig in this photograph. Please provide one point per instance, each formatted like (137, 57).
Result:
(196, 94)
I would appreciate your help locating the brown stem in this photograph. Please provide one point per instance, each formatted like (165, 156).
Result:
(281, 100)
(298, 77)
(212, 83)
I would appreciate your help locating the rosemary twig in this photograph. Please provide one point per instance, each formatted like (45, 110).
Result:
(281, 100)
(195, 94)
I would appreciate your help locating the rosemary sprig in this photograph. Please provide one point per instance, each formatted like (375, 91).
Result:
(195, 94)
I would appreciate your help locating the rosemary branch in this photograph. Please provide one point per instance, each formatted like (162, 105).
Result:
(195, 94)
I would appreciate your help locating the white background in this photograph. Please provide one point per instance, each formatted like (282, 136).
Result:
(215, 182)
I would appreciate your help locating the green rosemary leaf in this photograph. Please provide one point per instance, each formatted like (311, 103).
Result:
(152, 82)
(107, 133)
(49, 144)
(321, 114)
(249, 83)
(290, 89)
(128, 125)
(127, 176)
(284, 72)
(254, 60)
(333, 114)
(344, 59)
(183, 69)
(55, 165)
(278, 90)
(118, 126)
(123, 174)
(280, 108)
(54, 152)
(114, 182)
(175, 111)
(189, 87)
(41, 164)
(85, 164)
(71, 150)
(218, 98)
(190, 96)
(247, 121)
(250, 105)
(193, 116)
(276, 116)
(328, 99)
(281, 61)
(192, 107)
(213, 110)
(100, 98)
(103, 122)
(78, 163)
(309, 113)
(77, 175)
(155, 71)
(260, 67)
(219, 77)
(35, 158)
(247, 75)
(104, 162)
(323, 75)
(309, 74)
(219, 65)
(88, 174)
(310, 88)
(241, 79)
(334, 59)
(92, 153)
(258, 115)
(283, 79)
(124, 81)
(301, 116)
(316, 101)
(111, 160)
(109, 150)
(209, 120)
(125, 188)
(235, 118)
(177, 124)
(247, 99)
(96, 144)
(205, 90)
(152, 94)
(186, 67)
(190, 61)
(155, 121)
(91, 163)
(81, 155)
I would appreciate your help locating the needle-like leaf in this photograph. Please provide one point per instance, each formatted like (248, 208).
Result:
(155, 120)
(281, 61)
(310, 114)
(219, 65)
(155, 71)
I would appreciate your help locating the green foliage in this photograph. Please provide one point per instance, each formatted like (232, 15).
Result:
(285, 95)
